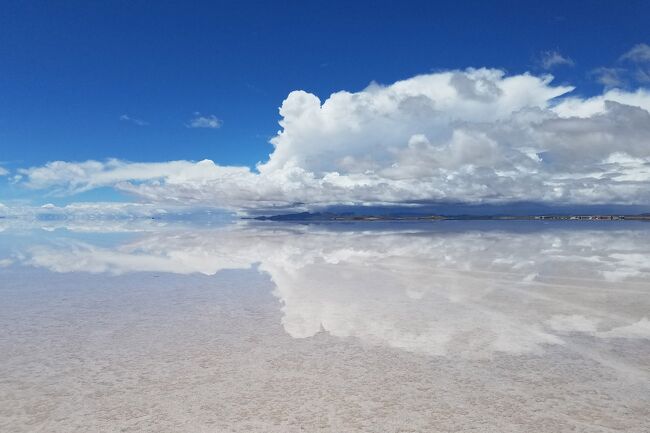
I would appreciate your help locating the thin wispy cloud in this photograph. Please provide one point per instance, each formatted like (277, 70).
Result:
(643, 76)
(610, 77)
(552, 59)
(209, 121)
(3, 171)
(133, 120)
(639, 57)
(632, 67)
(640, 53)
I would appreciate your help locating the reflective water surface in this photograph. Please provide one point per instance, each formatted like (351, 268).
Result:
(445, 326)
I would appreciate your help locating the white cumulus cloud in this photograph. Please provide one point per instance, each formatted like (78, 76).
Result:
(552, 59)
(478, 136)
(204, 121)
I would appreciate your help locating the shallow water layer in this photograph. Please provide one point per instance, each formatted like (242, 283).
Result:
(450, 326)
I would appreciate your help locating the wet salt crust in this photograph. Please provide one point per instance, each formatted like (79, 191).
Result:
(253, 329)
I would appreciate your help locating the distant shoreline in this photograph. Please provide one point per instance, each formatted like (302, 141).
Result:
(316, 217)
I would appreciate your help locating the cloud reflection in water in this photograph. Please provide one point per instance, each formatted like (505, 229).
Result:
(469, 293)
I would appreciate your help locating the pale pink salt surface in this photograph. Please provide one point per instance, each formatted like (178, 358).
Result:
(162, 352)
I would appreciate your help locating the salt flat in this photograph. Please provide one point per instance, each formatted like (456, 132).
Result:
(487, 327)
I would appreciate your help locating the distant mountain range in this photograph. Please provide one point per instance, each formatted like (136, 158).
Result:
(329, 216)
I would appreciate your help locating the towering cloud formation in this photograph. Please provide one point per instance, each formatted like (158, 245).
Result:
(475, 136)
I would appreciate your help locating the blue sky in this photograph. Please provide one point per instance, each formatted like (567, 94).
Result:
(124, 79)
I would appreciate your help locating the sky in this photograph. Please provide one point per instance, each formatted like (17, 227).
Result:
(182, 103)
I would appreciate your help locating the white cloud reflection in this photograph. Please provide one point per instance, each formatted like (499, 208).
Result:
(471, 294)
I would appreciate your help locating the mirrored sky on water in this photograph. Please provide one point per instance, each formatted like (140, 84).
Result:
(507, 326)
